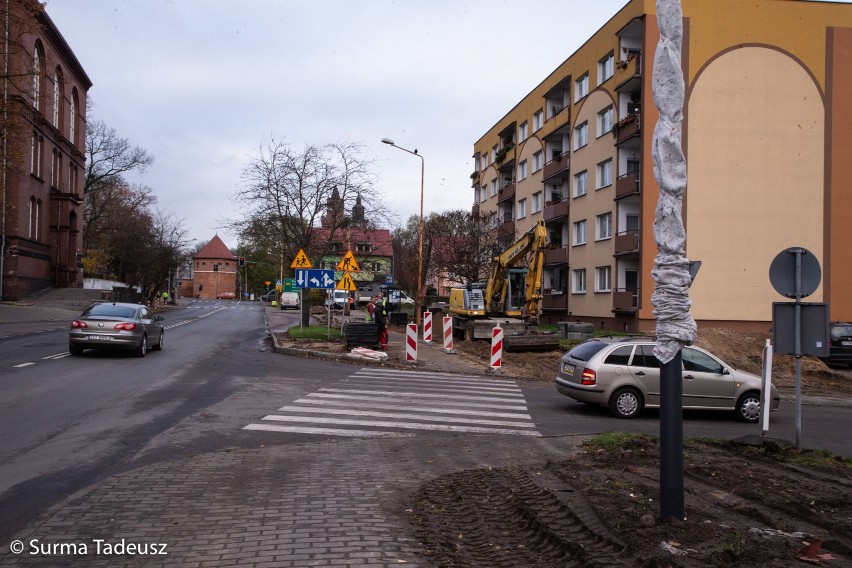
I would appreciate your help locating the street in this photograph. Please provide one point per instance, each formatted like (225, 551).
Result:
(219, 435)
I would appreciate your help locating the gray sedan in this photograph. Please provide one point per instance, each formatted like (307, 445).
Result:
(113, 325)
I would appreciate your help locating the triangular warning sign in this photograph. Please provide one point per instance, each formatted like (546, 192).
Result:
(348, 263)
(347, 283)
(301, 260)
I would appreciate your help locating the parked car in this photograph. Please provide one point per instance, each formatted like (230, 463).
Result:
(225, 296)
(270, 296)
(289, 300)
(623, 374)
(115, 325)
(839, 344)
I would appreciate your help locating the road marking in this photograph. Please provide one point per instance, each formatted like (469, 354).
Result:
(22, 365)
(404, 401)
(58, 356)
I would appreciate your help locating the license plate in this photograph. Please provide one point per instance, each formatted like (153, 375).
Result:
(100, 338)
(846, 343)
(569, 369)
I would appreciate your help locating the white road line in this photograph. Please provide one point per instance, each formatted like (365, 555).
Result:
(495, 397)
(326, 431)
(405, 416)
(493, 404)
(444, 409)
(404, 425)
(22, 365)
(58, 356)
(425, 383)
(409, 375)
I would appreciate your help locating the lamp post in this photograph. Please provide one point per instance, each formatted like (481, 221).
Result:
(419, 302)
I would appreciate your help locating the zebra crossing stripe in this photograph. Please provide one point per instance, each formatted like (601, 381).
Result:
(409, 400)
(404, 425)
(442, 396)
(372, 414)
(443, 409)
(326, 431)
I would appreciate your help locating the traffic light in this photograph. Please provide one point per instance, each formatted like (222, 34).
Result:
(242, 261)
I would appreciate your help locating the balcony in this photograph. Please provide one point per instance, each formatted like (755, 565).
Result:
(557, 167)
(625, 300)
(558, 255)
(554, 301)
(627, 185)
(554, 211)
(475, 210)
(506, 192)
(627, 242)
(629, 70)
(506, 228)
(627, 128)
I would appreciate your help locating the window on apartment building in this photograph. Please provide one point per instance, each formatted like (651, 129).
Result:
(604, 229)
(57, 97)
(538, 120)
(581, 87)
(603, 279)
(493, 187)
(537, 161)
(37, 75)
(580, 232)
(522, 208)
(493, 154)
(581, 135)
(605, 121)
(72, 127)
(604, 173)
(536, 202)
(522, 171)
(578, 281)
(363, 247)
(483, 193)
(523, 132)
(33, 157)
(606, 67)
(30, 218)
(581, 183)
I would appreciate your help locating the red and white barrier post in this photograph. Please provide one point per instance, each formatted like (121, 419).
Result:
(496, 347)
(448, 334)
(427, 326)
(411, 343)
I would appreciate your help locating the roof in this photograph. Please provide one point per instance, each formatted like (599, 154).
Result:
(214, 249)
(380, 239)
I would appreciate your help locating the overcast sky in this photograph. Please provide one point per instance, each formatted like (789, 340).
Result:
(200, 84)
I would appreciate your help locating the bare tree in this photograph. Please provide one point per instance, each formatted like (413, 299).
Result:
(461, 245)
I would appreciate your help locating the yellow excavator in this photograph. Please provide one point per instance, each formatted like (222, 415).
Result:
(509, 298)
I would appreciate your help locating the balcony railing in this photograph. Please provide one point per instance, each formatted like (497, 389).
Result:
(626, 70)
(506, 192)
(627, 242)
(557, 167)
(627, 127)
(475, 210)
(553, 211)
(557, 301)
(506, 228)
(627, 184)
(558, 255)
(625, 299)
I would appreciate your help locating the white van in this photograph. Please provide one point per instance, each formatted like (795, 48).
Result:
(289, 300)
(337, 299)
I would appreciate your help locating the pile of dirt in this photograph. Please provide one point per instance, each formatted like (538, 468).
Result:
(744, 506)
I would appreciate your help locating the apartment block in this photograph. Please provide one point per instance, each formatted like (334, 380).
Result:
(767, 135)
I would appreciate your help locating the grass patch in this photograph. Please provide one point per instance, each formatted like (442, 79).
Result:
(613, 440)
(314, 333)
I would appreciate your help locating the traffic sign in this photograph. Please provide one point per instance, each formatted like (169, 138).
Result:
(288, 285)
(346, 283)
(315, 278)
(301, 260)
(348, 264)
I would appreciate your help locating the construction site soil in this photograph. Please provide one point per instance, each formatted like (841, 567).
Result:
(766, 505)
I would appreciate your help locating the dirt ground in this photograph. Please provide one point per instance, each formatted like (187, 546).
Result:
(747, 506)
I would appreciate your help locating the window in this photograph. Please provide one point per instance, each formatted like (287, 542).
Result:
(606, 67)
(582, 87)
(603, 279)
(522, 208)
(37, 76)
(605, 173)
(580, 183)
(536, 202)
(33, 154)
(604, 226)
(483, 194)
(363, 247)
(538, 120)
(580, 232)
(694, 360)
(72, 131)
(57, 97)
(31, 218)
(578, 281)
(581, 135)
(620, 356)
(493, 187)
(494, 153)
(605, 121)
(537, 161)
(522, 171)
(523, 132)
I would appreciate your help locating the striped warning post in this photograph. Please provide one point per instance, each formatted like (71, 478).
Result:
(448, 333)
(411, 343)
(427, 327)
(496, 347)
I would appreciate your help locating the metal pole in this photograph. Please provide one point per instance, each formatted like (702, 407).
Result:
(671, 439)
(798, 347)
(419, 304)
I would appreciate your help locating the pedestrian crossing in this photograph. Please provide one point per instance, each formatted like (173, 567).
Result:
(395, 402)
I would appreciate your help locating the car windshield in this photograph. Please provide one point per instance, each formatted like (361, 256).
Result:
(841, 331)
(111, 311)
(586, 351)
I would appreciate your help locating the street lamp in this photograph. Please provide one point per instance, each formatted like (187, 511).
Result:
(419, 302)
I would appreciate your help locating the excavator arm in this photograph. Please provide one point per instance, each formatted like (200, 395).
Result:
(532, 242)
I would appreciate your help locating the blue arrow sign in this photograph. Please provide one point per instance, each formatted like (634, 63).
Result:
(315, 278)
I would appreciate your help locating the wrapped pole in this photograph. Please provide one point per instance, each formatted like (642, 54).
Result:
(675, 326)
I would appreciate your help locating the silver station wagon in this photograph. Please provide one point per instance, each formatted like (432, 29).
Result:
(114, 325)
(624, 374)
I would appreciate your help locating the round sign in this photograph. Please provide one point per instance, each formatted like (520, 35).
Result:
(782, 272)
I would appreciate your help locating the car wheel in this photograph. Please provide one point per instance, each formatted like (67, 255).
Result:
(143, 347)
(159, 345)
(748, 407)
(75, 349)
(625, 403)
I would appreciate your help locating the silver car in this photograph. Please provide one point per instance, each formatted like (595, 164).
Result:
(116, 325)
(624, 374)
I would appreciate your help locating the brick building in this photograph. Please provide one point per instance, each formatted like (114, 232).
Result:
(214, 270)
